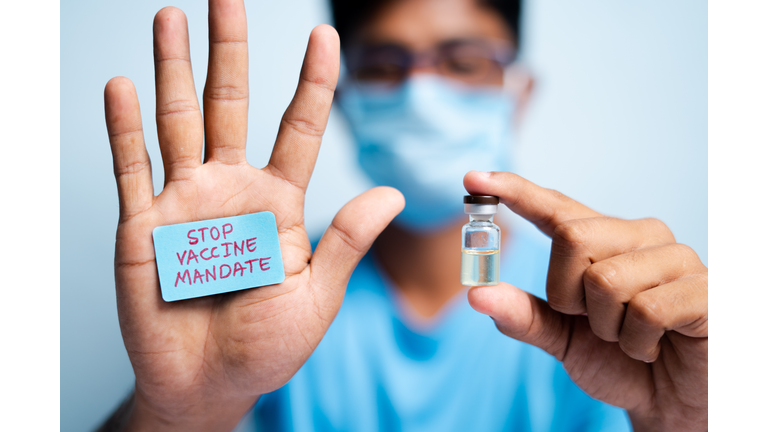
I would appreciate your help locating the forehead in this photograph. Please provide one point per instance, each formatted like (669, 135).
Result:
(420, 24)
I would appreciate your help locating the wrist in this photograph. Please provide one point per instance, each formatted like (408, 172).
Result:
(640, 424)
(218, 415)
(650, 423)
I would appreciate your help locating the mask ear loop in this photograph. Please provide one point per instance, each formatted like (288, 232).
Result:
(508, 89)
(511, 79)
(517, 84)
(506, 80)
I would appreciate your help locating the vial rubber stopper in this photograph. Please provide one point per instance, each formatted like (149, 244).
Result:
(481, 204)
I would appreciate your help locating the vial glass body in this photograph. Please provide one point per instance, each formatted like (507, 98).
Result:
(480, 243)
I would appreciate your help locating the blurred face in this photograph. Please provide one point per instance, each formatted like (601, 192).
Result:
(429, 99)
(459, 39)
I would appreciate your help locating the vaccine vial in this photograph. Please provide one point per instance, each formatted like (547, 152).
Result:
(480, 242)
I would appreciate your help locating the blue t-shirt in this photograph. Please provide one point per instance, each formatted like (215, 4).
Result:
(377, 369)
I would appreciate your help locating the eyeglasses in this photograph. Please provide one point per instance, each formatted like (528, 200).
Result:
(471, 61)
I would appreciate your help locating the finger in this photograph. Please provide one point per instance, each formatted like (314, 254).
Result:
(610, 284)
(225, 98)
(303, 124)
(545, 208)
(349, 237)
(578, 243)
(568, 338)
(523, 316)
(179, 122)
(129, 155)
(679, 306)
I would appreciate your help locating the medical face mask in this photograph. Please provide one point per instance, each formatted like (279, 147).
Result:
(423, 136)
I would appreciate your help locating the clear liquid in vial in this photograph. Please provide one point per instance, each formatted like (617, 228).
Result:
(479, 267)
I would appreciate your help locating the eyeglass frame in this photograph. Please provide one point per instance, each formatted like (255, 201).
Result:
(502, 53)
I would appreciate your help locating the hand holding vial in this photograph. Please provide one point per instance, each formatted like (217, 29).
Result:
(626, 309)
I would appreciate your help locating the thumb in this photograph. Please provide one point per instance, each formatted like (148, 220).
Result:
(524, 317)
(348, 238)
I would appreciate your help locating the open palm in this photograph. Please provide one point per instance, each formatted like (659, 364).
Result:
(201, 363)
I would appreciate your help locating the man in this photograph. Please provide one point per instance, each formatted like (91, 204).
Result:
(431, 94)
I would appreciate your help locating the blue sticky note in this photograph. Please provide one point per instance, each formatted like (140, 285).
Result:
(215, 256)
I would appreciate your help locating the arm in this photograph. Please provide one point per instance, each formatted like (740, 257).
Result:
(201, 363)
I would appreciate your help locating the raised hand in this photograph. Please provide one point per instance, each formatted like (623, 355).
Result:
(201, 363)
(626, 308)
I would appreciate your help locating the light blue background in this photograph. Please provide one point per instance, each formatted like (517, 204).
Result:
(619, 122)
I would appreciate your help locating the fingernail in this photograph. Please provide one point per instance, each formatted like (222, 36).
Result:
(484, 174)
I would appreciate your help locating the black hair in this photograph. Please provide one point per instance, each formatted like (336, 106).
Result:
(349, 14)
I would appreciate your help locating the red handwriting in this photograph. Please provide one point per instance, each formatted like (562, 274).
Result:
(212, 273)
(219, 272)
(213, 233)
(191, 256)
(262, 262)
(207, 254)
(183, 277)
(224, 271)
(210, 256)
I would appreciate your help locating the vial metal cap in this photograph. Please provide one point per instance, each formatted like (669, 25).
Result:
(481, 204)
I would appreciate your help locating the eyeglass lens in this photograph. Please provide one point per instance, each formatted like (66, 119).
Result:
(468, 61)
